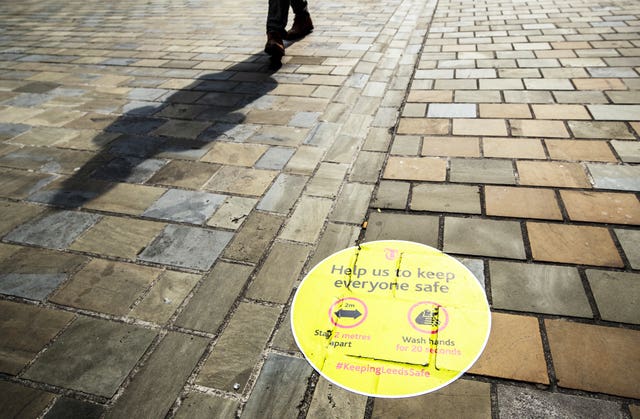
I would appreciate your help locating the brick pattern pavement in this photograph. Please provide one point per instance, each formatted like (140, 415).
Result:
(163, 191)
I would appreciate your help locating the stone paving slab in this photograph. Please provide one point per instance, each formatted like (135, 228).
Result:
(163, 191)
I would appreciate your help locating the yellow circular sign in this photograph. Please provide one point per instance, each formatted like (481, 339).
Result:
(391, 318)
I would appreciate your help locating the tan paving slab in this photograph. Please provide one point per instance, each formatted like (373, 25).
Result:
(416, 168)
(595, 358)
(558, 174)
(602, 207)
(522, 202)
(514, 350)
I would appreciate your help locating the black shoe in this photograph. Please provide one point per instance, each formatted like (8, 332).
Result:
(302, 26)
(274, 46)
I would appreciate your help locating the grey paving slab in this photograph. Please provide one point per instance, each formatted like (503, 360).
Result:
(55, 230)
(411, 227)
(31, 286)
(367, 166)
(283, 194)
(474, 236)
(630, 241)
(446, 198)
(185, 206)
(331, 401)
(482, 171)
(280, 388)
(208, 307)
(538, 288)
(629, 151)
(157, 385)
(68, 408)
(617, 295)
(165, 296)
(92, 355)
(187, 247)
(352, 203)
(307, 220)
(205, 406)
(624, 178)
(274, 282)
(129, 169)
(18, 401)
(528, 403)
(236, 352)
(391, 195)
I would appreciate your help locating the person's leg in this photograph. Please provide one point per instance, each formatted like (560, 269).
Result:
(302, 25)
(276, 27)
(278, 15)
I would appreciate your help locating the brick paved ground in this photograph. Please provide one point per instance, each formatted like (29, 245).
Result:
(163, 192)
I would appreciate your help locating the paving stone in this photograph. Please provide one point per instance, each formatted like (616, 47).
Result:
(352, 203)
(615, 112)
(451, 146)
(280, 271)
(602, 207)
(600, 130)
(18, 184)
(417, 228)
(305, 160)
(275, 158)
(617, 295)
(367, 166)
(283, 194)
(241, 180)
(406, 145)
(623, 178)
(529, 403)
(514, 350)
(474, 236)
(124, 198)
(204, 406)
(251, 241)
(343, 149)
(446, 198)
(539, 173)
(14, 214)
(510, 111)
(55, 230)
(391, 195)
(573, 244)
(629, 151)
(484, 127)
(423, 126)
(232, 213)
(23, 402)
(452, 110)
(165, 296)
(118, 237)
(307, 220)
(482, 171)
(153, 390)
(327, 180)
(416, 168)
(283, 337)
(106, 287)
(185, 206)
(538, 288)
(580, 150)
(462, 398)
(67, 408)
(186, 247)
(129, 169)
(280, 388)
(335, 238)
(567, 112)
(331, 401)
(234, 154)
(236, 352)
(213, 299)
(92, 355)
(19, 348)
(630, 242)
(538, 128)
(522, 202)
(579, 349)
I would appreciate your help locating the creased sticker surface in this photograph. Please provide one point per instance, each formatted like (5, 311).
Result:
(391, 318)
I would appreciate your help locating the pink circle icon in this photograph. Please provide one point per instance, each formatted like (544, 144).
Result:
(348, 312)
(428, 317)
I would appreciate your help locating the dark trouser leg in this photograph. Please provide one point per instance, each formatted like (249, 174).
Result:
(299, 6)
(277, 17)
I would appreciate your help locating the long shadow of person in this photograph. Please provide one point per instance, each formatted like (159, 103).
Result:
(181, 126)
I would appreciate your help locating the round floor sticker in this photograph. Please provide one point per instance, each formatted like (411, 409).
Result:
(391, 318)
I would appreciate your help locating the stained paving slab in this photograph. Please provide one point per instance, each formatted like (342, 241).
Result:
(163, 190)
